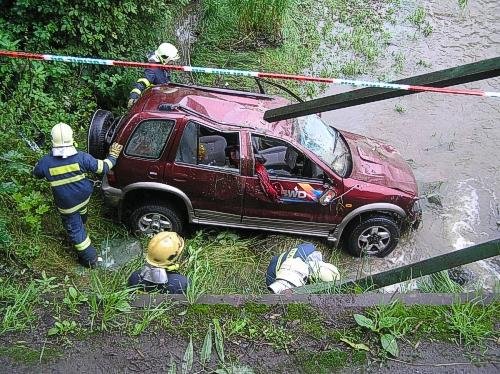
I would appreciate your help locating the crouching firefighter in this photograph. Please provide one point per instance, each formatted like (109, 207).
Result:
(160, 271)
(64, 168)
(298, 266)
(165, 53)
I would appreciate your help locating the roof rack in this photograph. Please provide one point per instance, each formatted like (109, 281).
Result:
(225, 91)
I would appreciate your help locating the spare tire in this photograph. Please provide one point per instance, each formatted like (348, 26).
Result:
(99, 125)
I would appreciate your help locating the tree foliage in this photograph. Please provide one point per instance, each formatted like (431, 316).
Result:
(36, 95)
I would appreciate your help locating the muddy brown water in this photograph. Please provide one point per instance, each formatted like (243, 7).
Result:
(451, 142)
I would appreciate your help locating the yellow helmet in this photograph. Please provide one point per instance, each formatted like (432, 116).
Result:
(62, 135)
(164, 249)
(167, 52)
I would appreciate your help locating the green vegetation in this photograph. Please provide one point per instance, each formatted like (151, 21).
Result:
(418, 19)
(25, 354)
(288, 36)
(469, 324)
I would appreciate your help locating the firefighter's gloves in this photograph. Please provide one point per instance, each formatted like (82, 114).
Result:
(293, 272)
(115, 149)
(130, 103)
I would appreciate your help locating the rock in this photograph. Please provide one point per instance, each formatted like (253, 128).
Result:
(434, 199)
(461, 275)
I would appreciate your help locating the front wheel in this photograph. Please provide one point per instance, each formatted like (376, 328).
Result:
(375, 236)
(152, 218)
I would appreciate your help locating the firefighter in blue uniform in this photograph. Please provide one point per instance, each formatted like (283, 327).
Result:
(64, 168)
(160, 271)
(298, 266)
(165, 53)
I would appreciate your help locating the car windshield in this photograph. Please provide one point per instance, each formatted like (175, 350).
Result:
(324, 141)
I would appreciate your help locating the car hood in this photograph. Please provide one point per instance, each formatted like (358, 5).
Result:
(379, 163)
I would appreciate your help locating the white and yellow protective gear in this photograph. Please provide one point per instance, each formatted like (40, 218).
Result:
(63, 144)
(166, 52)
(164, 249)
(323, 272)
(293, 272)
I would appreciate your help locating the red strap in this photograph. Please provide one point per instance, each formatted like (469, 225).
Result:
(265, 182)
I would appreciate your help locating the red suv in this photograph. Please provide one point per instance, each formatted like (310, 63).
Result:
(190, 155)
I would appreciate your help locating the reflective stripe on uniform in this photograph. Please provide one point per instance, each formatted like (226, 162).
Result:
(146, 82)
(281, 258)
(137, 91)
(64, 169)
(109, 163)
(60, 182)
(83, 245)
(75, 208)
(83, 211)
(100, 166)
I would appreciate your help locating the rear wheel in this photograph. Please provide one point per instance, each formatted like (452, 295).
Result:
(151, 218)
(101, 122)
(375, 236)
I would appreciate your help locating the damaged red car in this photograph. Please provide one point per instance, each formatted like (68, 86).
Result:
(205, 155)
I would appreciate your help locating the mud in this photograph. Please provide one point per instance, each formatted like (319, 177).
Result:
(451, 142)
(154, 352)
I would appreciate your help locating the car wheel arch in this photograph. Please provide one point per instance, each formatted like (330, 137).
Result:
(143, 192)
(367, 211)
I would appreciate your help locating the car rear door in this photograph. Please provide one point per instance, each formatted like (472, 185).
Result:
(148, 138)
(298, 210)
(204, 171)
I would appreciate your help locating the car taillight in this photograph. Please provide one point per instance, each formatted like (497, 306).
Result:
(111, 177)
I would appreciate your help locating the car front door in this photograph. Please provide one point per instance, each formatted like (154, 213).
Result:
(207, 170)
(299, 182)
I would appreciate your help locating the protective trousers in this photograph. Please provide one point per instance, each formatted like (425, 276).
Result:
(74, 224)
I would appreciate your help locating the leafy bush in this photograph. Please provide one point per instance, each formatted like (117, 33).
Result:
(36, 95)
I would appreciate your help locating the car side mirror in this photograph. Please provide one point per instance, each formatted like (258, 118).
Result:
(327, 181)
(327, 196)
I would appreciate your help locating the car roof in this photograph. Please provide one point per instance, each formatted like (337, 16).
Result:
(230, 109)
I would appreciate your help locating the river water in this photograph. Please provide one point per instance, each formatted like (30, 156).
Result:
(451, 142)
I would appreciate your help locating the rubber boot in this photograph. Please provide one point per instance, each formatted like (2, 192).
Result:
(88, 257)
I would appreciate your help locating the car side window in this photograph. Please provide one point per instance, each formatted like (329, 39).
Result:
(282, 159)
(201, 145)
(149, 138)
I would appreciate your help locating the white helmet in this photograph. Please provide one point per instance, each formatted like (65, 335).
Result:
(325, 272)
(167, 52)
(62, 135)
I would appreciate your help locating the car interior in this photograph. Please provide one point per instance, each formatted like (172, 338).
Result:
(282, 159)
(204, 146)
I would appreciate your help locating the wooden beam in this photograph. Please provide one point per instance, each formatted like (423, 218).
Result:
(442, 78)
(411, 271)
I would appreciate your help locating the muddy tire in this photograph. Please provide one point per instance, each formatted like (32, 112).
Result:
(375, 236)
(151, 218)
(101, 122)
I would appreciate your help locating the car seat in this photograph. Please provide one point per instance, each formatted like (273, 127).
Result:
(280, 158)
(215, 148)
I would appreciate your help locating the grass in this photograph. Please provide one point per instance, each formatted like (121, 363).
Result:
(147, 316)
(439, 283)
(28, 355)
(107, 298)
(18, 305)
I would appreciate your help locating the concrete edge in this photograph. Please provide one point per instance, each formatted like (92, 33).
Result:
(340, 302)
